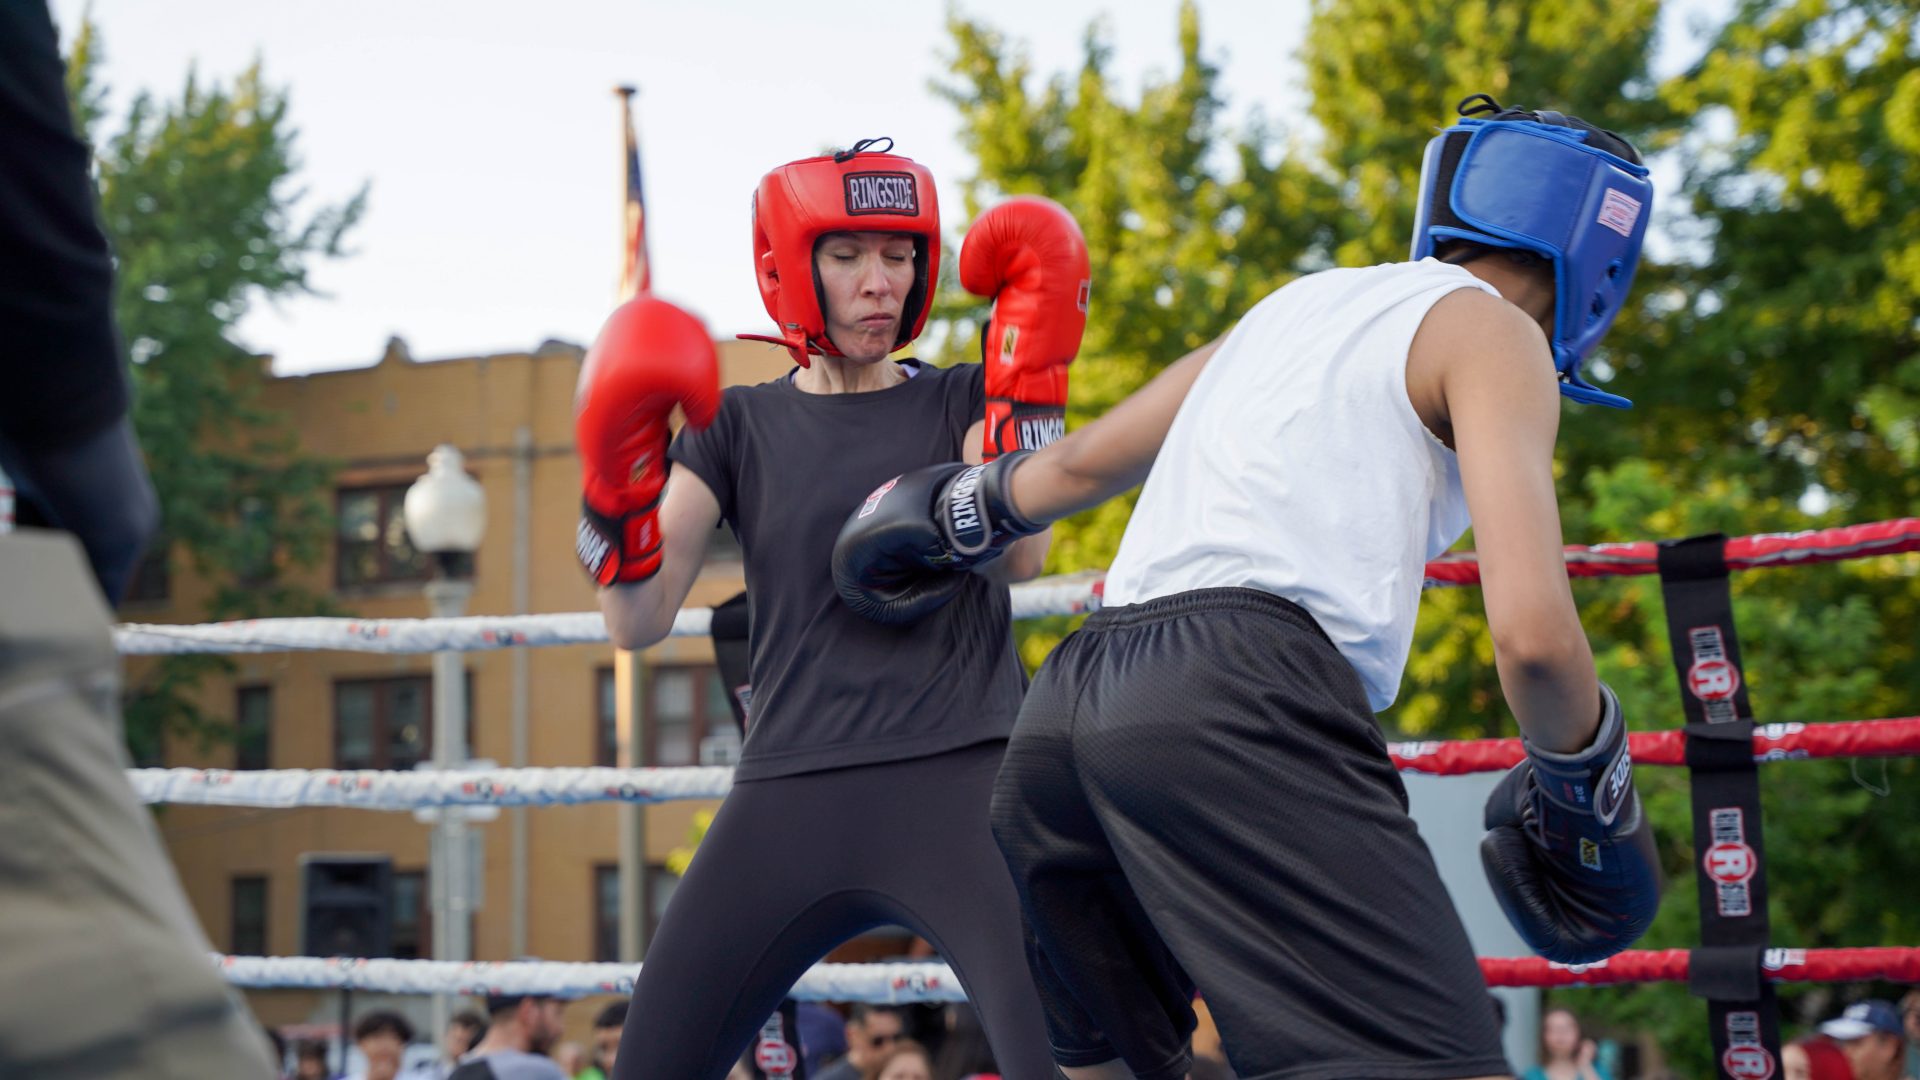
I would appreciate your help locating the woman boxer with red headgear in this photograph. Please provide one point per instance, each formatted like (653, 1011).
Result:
(861, 798)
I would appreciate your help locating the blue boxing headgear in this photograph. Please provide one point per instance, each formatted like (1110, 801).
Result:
(1552, 185)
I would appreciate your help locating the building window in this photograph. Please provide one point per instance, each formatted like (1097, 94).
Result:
(382, 723)
(606, 913)
(253, 526)
(412, 939)
(249, 936)
(684, 706)
(253, 727)
(152, 580)
(373, 544)
(661, 884)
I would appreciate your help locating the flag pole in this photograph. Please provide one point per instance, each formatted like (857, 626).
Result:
(630, 669)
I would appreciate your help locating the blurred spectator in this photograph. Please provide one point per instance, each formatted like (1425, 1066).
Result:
(904, 1060)
(1815, 1057)
(1566, 1053)
(464, 1029)
(381, 1037)
(606, 1042)
(1910, 1013)
(964, 1053)
(521, 1032)
(823, 1035)
(871, 1031)
(1873, 1037)
(310, 1061)
(572, 1059)
(277, 1046)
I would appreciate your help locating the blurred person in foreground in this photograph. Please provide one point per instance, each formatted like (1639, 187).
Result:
(96, 923)
(1568, 1054)
(1873, 1037)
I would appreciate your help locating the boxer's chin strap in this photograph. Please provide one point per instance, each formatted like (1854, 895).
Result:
(803, 350)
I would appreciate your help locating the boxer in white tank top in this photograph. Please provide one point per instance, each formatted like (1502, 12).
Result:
(1197, 793)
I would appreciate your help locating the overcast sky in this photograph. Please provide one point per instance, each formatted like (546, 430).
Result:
(489, 134)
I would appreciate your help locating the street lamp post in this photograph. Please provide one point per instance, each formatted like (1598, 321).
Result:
(445, 514)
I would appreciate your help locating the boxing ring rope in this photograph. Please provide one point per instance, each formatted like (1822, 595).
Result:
(1067, 595)
(906, 982)
(898, 983)
(375, 790)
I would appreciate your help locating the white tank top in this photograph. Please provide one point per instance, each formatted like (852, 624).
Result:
(1297, 466)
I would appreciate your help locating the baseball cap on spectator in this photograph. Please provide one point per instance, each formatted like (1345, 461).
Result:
(1864, 1018)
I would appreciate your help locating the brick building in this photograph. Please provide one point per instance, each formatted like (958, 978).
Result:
(550, 886)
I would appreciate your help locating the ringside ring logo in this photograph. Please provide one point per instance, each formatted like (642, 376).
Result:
(1713, 680)
(1748, 1062)
(1729, 862)
(774, 1058)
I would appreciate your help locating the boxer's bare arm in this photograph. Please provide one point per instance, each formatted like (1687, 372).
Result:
(640, 614)
(1111, 455)
(1495, 379)
(1026, 556)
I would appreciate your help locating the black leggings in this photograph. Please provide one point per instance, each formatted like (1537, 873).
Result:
(795, 865)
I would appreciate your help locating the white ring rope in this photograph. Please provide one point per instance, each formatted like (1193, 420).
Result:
(887, 984)
(1069, 595)
(369, 789)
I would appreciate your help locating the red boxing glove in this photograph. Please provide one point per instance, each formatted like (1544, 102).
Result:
(1028, 254)
(649, 357)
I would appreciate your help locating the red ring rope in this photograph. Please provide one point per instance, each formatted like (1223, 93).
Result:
(1670, 965)
(1897, 737)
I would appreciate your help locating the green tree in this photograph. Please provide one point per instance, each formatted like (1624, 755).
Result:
(198, 198)
(1775, 358)
(1187, 223)
(1769, 346)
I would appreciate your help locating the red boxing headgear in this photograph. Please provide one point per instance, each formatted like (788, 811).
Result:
(853, 190)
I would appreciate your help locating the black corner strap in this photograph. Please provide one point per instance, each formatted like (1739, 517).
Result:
(1723, 747)
(1697, 558)
(1725, 972)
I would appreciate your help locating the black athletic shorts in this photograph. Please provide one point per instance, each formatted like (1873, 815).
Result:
(1197, 792)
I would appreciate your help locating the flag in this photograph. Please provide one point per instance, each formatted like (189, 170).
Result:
(636, 275)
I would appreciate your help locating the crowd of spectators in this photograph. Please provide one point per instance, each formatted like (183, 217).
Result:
(519, 1038)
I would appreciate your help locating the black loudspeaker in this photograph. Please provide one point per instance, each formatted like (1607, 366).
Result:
(347, 905)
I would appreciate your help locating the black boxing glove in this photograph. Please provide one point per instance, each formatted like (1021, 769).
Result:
(899, 556)
(1568, 851)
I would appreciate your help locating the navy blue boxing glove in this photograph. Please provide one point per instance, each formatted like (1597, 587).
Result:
(1568, 851)
(899, 555)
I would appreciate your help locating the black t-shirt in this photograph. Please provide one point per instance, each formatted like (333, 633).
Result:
(830, 688)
